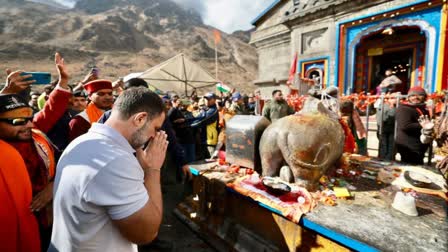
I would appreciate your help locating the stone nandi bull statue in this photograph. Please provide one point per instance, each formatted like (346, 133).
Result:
(300, 148)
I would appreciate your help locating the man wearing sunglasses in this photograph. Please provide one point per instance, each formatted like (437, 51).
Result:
(101, 99)
(27, 164)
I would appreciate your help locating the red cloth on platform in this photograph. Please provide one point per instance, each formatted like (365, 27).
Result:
(18, 230)
(287, 204)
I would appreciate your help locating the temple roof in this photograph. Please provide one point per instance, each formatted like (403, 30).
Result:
(305, 7)
(274, 4)
(299, 8)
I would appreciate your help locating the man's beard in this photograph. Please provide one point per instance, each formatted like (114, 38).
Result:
(19, 136)
(27, 138)
(101, 105)
(78, 110)
(105, 108)
(137, 138)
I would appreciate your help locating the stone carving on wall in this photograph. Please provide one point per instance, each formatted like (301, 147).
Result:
(313, 41)
(309, 4)
(305, 6)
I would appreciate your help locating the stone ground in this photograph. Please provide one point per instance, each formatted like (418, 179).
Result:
(172, 230)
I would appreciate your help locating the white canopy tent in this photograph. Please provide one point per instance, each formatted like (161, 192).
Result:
(131, 76)
(178, 74)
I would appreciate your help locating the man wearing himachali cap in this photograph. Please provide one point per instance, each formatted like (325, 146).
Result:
(101, 99)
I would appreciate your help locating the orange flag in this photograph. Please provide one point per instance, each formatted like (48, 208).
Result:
(217, 36)
(292, 70)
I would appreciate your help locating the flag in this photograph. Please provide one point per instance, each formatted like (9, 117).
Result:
(223, 88)
(292, 70)
(217, 36)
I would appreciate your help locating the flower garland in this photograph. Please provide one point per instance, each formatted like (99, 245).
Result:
(362, 100)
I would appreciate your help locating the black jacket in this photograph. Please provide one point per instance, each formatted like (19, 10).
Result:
(408, 127)
(59, 133)
(184, 132)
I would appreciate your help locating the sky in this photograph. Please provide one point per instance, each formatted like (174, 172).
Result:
(226, 15)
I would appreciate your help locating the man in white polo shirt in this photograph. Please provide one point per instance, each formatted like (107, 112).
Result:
(107, 193)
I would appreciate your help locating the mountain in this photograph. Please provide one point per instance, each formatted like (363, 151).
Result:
(119, 37)
(52, 3)
(68, 3)
(243, 35)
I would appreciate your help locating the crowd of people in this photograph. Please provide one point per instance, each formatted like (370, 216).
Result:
(406, 126)
(87, 157)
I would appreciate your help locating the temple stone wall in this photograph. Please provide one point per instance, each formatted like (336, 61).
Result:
(316, 40)
(274, 62)
(313, 38)
(272, 40)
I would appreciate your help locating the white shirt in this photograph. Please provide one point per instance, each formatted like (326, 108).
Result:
(98, 179)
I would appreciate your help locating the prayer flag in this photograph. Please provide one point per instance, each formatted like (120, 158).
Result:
(292, 70)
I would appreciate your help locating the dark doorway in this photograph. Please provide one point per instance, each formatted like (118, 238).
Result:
(401, 49)
(400, 62)
(315, 75)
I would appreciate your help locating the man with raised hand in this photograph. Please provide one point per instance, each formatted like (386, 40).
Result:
(28, 163)
(411, 117)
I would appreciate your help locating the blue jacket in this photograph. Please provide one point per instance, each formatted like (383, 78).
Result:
(208, 121)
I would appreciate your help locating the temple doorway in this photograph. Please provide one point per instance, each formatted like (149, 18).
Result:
(399, 62)
(400, 49)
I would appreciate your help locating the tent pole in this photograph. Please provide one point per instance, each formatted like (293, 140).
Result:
(185, 74)
(194, 92)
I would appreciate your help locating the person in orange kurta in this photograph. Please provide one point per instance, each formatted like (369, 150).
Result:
(101, 99)
(19, 230)
(27, 163)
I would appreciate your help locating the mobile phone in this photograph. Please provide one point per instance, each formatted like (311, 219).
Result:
(41, 78)
(95, 71)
